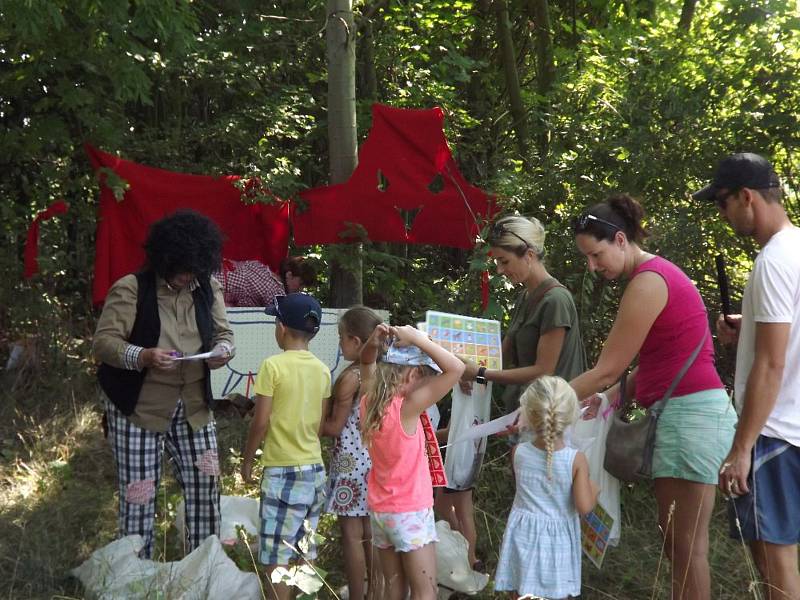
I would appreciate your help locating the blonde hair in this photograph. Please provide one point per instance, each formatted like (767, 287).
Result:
(517, 234)
(385, 385)
(550, 406)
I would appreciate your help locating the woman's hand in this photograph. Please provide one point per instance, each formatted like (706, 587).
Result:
(158, 358)
(470, 370)
(222, 355)
(591, 406)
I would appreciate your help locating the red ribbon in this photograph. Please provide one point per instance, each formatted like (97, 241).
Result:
(32, 243)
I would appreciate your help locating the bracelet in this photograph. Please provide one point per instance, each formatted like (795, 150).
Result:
(481, 376)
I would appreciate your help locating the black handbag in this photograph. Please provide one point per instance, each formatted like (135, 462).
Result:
(630, 444)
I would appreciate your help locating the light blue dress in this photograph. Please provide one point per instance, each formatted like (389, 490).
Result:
(541, 551)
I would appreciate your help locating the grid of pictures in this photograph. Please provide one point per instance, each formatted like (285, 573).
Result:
(595, 532)
(471, 338)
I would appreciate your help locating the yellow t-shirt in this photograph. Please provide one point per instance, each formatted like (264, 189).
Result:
(298, 382)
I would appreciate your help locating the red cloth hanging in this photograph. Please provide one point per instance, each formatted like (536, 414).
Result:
(405, 171)
(59, 207)
(252, 232)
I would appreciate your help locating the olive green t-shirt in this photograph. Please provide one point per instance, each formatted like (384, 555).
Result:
(529, 321)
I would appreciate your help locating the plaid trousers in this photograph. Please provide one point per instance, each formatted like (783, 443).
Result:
(138, 455)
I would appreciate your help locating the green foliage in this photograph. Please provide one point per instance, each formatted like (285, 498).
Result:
(637, 105)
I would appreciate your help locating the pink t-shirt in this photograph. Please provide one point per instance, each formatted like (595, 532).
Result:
(400, 480)
(673, 337)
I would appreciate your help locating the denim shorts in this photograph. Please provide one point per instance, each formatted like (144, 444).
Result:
(694, 435)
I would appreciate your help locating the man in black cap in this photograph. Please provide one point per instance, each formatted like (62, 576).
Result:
(762, 470)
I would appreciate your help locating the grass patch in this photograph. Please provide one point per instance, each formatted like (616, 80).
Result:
(58, 503)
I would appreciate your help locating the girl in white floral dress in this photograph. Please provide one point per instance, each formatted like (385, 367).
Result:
(349, 461)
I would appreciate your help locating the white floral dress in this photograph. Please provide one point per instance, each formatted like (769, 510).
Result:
(350, 463)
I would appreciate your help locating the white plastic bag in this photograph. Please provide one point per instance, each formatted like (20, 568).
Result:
(463, 460)
(115, 571)
(590, 437)
(453, 570)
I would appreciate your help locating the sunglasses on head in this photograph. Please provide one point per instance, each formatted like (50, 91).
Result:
(498, 230)
(585, 220)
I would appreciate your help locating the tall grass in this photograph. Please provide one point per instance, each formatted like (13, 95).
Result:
(58, 503)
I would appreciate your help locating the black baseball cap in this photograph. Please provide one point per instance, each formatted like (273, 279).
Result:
(743, 170)
(299, 311)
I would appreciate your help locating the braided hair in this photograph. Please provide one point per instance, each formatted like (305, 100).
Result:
(550, 406)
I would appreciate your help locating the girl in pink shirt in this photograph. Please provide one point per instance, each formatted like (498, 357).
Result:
(399, 490)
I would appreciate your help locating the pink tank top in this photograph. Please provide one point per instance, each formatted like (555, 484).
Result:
(400, 480)
(673, 337)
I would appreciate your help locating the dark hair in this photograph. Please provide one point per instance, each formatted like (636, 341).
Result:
(299, 267)
(772, 195)
(618, 210)
(184, 242)
(360, 321)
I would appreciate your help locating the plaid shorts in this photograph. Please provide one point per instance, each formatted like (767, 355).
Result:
(291, 502)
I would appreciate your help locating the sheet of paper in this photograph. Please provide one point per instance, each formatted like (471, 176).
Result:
(485, 429)
(203, 356)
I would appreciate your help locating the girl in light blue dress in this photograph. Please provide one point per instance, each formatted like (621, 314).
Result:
(541, 551)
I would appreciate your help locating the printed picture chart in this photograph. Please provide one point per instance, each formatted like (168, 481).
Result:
(471, 338)
(595, 531)
(435, 463)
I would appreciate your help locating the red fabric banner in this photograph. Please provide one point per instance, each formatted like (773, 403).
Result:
(252, 232)
(59, 207)
(405, 172)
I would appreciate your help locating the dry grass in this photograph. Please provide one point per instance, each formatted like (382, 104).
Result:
(58, 503)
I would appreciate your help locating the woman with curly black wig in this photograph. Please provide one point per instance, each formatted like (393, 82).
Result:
(171, 308)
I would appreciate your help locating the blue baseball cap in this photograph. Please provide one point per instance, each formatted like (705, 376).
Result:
(299, 311)
(408, 356)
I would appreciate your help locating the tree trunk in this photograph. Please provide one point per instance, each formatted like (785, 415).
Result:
(369, 77)
(687, 14)
(545, 66)
(509, 60)
(345, 279)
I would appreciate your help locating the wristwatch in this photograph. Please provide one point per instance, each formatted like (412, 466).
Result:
(481, 376)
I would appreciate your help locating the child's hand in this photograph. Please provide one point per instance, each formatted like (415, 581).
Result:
(379, 335)
(408, 335)
(247, 472)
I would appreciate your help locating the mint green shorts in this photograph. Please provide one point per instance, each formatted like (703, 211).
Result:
(694, 435)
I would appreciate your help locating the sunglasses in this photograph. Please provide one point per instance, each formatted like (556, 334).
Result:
(499, 230)
(722, 201)
(584, 221)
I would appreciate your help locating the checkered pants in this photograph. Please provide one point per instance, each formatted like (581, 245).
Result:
(138, 454)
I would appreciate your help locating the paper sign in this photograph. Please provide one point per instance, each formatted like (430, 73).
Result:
(496, 426)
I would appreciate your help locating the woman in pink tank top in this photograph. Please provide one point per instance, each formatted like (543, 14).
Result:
(399, 389)
(662, 319)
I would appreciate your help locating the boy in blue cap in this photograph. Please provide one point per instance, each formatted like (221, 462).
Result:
(292, 390)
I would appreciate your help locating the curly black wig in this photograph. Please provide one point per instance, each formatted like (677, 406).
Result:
(184, 242)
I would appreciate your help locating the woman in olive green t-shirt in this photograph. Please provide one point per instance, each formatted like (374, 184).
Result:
(543, 337)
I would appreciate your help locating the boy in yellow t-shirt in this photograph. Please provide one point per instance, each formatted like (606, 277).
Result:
(292, 390)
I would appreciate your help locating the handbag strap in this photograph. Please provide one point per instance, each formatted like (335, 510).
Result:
(689, 362)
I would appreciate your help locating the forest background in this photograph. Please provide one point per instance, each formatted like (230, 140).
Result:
(551, 104)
